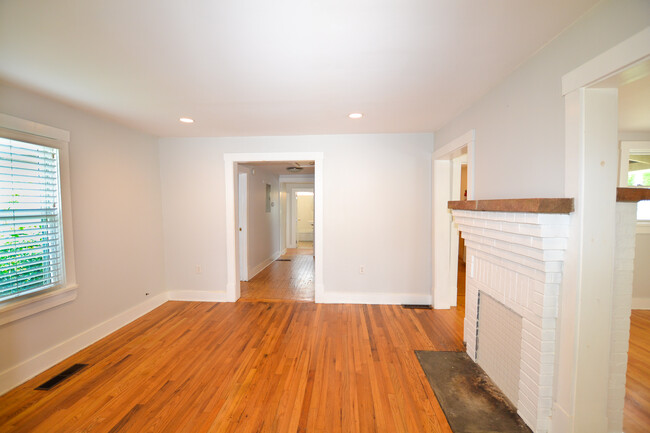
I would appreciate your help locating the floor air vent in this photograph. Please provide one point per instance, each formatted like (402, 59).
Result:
(283, 260)
(61, 377)
(417, 307)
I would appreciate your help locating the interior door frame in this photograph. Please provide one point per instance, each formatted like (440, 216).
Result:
(294, 213)
(233, 289)
(242, 215)
(446, 176)
(580, 398)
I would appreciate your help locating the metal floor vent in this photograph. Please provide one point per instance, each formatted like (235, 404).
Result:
(417, 307)
(283, 260)
(61, 377)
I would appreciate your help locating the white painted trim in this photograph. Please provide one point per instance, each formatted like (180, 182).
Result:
(641, 303)
(625, 148)
(293, 216)
(232, 263)
(444, 265)
(26, 130)
(454, 148)
(197, 296)
(29, 368)
(261, 266)
(33, 128)
(19, 308)
(243, 225)
(376, 298)
(568, 413)
(632, 50)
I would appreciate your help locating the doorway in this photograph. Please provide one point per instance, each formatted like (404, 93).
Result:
(589, 377)
(302, 218)
(448, 164)
(298, 275)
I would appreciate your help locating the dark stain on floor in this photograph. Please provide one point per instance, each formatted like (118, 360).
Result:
(470, 400)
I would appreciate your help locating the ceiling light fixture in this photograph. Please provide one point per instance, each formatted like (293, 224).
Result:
(186, 120)
(355, 115)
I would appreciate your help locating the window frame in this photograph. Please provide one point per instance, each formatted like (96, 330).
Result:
(31, 303)
(627, 147)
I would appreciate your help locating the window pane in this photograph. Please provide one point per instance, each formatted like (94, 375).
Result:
(643, 210)
(31, 256)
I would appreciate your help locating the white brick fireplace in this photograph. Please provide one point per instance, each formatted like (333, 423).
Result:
(515, 260)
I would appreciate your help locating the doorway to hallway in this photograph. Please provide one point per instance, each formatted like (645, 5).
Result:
(276, 230)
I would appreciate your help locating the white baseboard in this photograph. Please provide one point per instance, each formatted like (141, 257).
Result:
(641, 303)
(197, 296)
(24, 371)
(374, 298)
(259, 268)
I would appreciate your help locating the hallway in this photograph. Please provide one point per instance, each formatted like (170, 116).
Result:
(291, 277)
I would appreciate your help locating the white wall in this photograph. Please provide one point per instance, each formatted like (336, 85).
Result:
(263, 227)
(117, 225)
(520, 123)
(377, 211)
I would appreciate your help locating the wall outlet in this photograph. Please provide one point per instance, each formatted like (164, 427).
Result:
(198, 269)
(362, 269)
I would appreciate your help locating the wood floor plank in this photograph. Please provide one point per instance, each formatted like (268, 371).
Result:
(262, 366)
(285, 280)
(637, 387)
(244, 367)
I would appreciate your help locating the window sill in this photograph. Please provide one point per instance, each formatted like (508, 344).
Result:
(15, 309)
(643, 227)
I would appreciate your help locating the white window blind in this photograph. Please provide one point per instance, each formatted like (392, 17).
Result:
(31, 244)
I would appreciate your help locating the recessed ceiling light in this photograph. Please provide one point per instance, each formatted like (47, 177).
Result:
(186, 120)
(355, 115)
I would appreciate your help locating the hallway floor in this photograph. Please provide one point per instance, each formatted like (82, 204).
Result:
(284, 280)
(637, 387)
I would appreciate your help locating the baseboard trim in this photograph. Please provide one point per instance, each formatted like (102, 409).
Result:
(24, 371)
(641, 303)
(197, 296)
(259, 268)
(374, 298)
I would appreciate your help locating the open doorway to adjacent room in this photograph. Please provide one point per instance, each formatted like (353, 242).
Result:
(453, 180)
(634, 171)
(276, 230)
(460, 280)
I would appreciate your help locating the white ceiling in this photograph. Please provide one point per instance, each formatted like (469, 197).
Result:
(259, 67)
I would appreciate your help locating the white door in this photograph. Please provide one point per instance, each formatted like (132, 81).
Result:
(305, 211)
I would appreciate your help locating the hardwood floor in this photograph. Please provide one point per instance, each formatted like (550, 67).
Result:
(248, 367)
(461, 284)
(637, 388)
(288, 280)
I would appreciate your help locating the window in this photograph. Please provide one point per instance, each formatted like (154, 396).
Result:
(36, 247)
(31, 247)
(635, 172)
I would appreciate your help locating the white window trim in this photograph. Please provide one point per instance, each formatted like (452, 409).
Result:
(32, 132)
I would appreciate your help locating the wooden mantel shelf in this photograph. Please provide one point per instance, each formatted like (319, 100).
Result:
(528, 205)
(632, 194)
